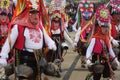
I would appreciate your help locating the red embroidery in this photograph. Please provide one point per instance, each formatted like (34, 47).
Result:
(35, 35)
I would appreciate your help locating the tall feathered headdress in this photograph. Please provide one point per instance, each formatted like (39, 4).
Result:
(103, 15)
(57, 8)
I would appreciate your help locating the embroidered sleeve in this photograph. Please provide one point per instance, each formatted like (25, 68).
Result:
(48, 41)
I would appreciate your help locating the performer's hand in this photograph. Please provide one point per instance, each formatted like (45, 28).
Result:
(88, 62)
(115, 42)
(116, 62)
(74, 45)
(54, 47)
(83, 40)
(3, 62)
(64, 46)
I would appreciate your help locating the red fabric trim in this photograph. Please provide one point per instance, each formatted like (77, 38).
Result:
(19, 44)
(23, 20)
(113, 31)
(6, 22)
(100, 35)
(98, 47)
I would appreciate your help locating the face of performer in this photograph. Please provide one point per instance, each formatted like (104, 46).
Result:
(56, 22)
(34, 18)
(3, 17)
(105, 30)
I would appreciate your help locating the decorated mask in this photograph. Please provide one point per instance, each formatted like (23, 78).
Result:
(103, 15)
(86, 9)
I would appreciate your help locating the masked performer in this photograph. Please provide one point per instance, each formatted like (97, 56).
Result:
(58, 30)
(115, 31)
(85, 12)
(100, 46)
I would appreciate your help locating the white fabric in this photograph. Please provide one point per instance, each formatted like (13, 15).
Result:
(77, 35)
(115, 42)
(66, 30)
(116, 62)
(90, 48)
(88, 62)
(67, 38)
(111, 52)
(66, 24)
(49, 42)
(29, 44)
(3, 62)
(74, 26)
(64, 45)
(119, 27)
(65, 34)
(55, 31)
(116, 27)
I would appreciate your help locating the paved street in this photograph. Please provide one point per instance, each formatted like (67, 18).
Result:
(72, 69)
